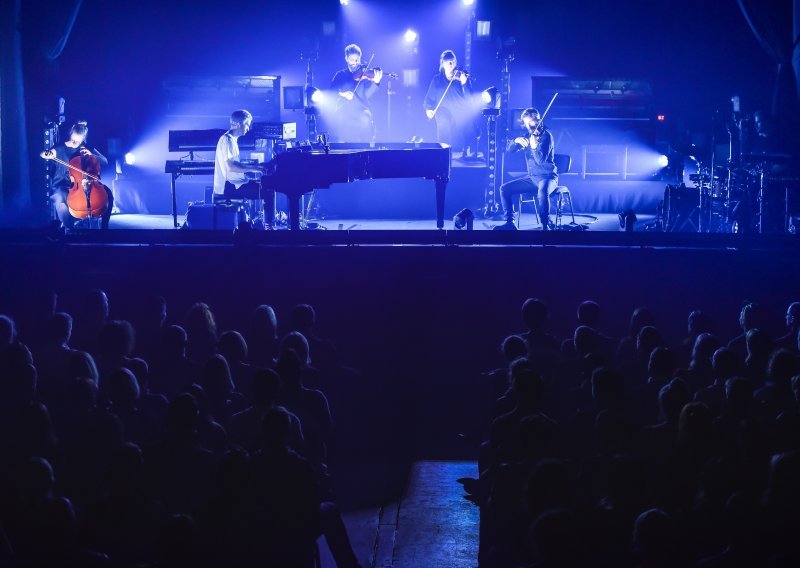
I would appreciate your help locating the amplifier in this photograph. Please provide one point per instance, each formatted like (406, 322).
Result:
(224, 217)
(274, 130)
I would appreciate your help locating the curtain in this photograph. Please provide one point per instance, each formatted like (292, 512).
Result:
(52, 52)
(796, 45)
(14, 165)
(769, 22)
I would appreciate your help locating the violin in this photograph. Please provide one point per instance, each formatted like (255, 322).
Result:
(87, 198)
(458, 73)
(537, 131)
(364, 72)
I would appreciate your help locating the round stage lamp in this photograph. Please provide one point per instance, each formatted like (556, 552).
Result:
(410, 36)
(130, 158)
(489, 96)
(663, 161)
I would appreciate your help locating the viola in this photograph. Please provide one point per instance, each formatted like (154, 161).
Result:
(458, 73)
(87, 198)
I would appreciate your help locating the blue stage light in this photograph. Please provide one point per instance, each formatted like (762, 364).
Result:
(130, 158)
(663, 161)
(410, 36)
(468, 2)
(344, 2)
(489, 96)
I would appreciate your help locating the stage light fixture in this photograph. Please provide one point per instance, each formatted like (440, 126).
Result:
(464, 220)
(293, 97)
(410, 77)
(313, 96)
(410, 36)
(328, 28)
(627, 220)
(468, 2)
(483, 28)
(130, 158)
(489, 97)
(663, 161)
(344, 2)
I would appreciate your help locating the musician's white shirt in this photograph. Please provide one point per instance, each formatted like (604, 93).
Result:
(227, 149)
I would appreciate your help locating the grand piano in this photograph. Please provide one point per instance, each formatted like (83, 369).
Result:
(299, 171)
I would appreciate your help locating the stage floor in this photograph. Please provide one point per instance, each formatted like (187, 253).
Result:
(590, 230)
(592, 222)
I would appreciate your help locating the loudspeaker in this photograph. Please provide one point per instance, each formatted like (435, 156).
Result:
(221, 216)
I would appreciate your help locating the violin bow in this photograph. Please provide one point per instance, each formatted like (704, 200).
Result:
(441, 100)
(541, 120)
(70, 166)
(362, 74)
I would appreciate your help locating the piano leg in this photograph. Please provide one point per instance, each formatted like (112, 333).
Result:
(441, 185)
(269, 208)
(294, 211)
(174, 202)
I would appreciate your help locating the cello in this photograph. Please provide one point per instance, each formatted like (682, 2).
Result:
(87, 198)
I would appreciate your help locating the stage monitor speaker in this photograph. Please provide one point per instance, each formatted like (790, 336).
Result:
(222, 217)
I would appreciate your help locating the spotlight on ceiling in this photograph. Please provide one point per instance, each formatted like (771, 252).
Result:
(410, 36)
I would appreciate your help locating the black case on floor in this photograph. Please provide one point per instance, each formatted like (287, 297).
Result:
(220, 216)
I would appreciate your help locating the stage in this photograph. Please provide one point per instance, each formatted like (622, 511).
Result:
(587, 222)
(591, 231)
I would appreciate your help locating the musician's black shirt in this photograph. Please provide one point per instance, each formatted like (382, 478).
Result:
(457, 97)
(61, 173)
(540, 162)
(344, 81)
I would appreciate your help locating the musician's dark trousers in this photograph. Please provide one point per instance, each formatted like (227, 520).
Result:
(355, 125)
(59, 199)
(457, 132)
(542, 188)
(254, 190)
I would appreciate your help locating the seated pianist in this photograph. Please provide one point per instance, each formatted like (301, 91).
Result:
(231, 175)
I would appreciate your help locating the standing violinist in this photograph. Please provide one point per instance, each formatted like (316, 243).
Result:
(355, 86)
(74, 146)
(448, 102)
(542, 178)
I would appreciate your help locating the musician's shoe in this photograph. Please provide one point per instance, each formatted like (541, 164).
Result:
(507, 226)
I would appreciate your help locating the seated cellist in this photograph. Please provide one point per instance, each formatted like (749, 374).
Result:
(64, 152)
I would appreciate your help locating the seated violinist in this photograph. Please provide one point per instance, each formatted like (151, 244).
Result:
(62, 177)
(542, 178)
